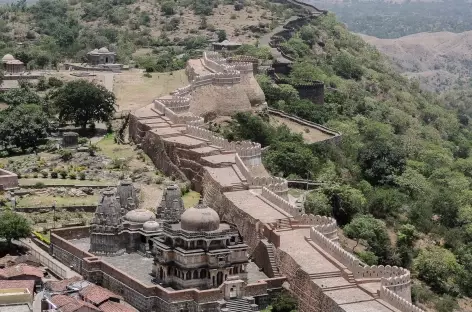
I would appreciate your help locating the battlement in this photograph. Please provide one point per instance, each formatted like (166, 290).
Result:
(280, 202)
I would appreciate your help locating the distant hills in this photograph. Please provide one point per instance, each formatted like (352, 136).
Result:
(440, 60)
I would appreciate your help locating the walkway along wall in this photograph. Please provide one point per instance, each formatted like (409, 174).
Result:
(177, 152)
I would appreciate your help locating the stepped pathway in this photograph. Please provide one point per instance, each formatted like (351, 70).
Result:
(270, 254)
(238, 305)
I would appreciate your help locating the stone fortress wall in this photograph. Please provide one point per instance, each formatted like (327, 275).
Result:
(178, 144)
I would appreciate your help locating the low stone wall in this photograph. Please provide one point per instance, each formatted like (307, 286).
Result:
(335, 135)
(78, 208)
(8, 179)
(280, 202)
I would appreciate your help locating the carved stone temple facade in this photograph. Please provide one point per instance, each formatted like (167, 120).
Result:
(199, 251)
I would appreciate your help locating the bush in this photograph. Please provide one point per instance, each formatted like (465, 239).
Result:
(35, 175)
(83, 140)
(39, 185)
(72, 175)
(54, 175)
(42, 85)
(63, 173)
(238, 6)
(66, 155)
(147, 75)
(168, 8)
(82, 176)
(55, 82)
(44, 174)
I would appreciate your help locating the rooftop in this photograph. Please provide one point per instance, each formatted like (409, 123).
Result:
(97, 294)
(20, 270)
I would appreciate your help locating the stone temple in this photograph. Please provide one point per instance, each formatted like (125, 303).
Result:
(199, 251)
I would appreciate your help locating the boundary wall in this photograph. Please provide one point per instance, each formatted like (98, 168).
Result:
(143, 297)
(395, 282)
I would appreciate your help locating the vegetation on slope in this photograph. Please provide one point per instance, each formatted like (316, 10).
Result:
(52, 31)
(404, 163)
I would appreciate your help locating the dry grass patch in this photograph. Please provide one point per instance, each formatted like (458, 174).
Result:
(134, 91)
(191, 199)
(310, 135)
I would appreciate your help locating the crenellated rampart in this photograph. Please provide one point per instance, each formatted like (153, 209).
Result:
(183, 148)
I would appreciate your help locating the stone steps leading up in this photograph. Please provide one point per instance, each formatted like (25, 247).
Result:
(325, 274)
(238, 305)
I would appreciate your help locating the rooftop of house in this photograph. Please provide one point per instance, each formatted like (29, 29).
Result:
(20, 270)
(70, 304)
(97, 295)
(10, 284)
(111, 306)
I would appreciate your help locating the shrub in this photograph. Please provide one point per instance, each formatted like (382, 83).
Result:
(55, 82)
(168, 8)
(238, 6)
(66, 155)
(93, 148)
(39, 185)
(72, 175)
(44, 174)
(147, 75)
(54, 174)
(233, 16)
(63, 173)
(83, 140)
(81, 175)
(42, 85)
(35, 175)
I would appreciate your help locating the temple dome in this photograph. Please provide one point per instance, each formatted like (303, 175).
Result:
(8, 57)
(151, 226)
(140, 216)
(200, 218)
(103, 50)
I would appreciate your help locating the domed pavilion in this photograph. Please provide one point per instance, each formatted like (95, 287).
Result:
(199, 251)
(101, 56)
(11, 65)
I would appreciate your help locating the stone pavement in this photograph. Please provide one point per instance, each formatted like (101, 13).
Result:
(48, 261)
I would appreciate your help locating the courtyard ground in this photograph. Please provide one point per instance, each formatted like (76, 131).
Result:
(310, 135)
(134, 91)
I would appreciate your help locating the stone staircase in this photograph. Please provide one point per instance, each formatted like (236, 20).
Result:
(273, 264)
(284, 224)
(240, 305)
(325, 275)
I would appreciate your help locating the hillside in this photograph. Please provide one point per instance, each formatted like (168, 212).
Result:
(53, 31)
(439, 60)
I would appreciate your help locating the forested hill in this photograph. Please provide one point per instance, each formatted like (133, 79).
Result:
(49, 32)
(400, 180)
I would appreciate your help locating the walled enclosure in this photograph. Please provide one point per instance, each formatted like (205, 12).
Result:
(333, 280)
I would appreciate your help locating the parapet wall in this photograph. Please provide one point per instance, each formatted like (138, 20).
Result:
(393, 279)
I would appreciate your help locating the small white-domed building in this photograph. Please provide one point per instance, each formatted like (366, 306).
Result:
(11, 65)
(101, 56)
(199, 251)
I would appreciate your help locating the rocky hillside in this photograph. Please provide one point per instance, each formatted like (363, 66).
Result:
(439, 60)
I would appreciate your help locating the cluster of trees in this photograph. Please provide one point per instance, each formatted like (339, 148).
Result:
(25, 124)
(403, 167)
(384, 19)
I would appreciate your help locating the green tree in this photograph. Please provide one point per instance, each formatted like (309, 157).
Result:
(84, 102)
(346, 66)
(168, 7)
(23, 127)
(318, 203)
(372, 231)
(284, 303)
(221, 33)
(438, 267)
(290, 158)
(383, 202)
(21, 96)
(13, 226)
